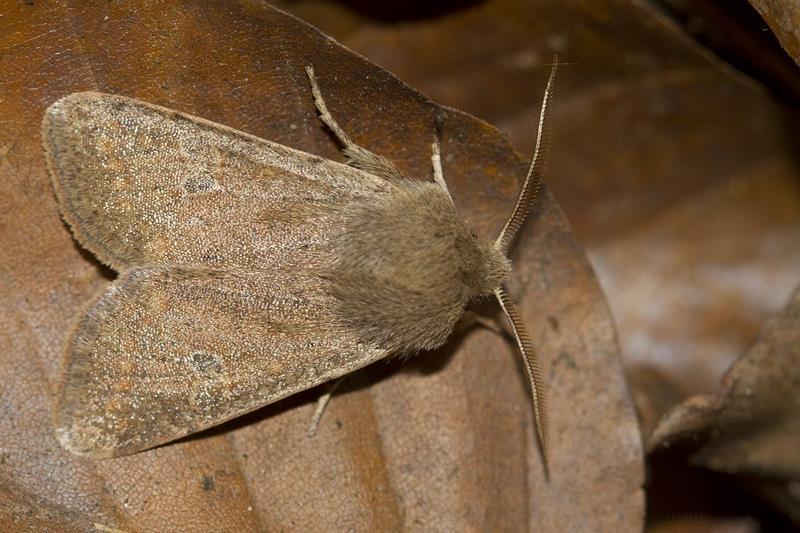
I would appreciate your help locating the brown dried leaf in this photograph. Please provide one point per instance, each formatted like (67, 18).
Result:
(444, 442)
(20, 511)
(752, 426)
(706, 524)
(692, 286)
(783, 17)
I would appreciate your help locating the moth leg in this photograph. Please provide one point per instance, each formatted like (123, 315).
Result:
(322, 403)
(436, 161)
(357, 156)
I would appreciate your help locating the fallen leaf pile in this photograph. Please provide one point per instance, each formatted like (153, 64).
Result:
(663, 255)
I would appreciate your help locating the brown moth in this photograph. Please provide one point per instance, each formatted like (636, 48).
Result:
(250, 271)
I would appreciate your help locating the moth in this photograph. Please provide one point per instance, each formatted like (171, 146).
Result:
(250, 271)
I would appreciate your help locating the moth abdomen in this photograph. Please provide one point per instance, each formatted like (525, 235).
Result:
(406, 267)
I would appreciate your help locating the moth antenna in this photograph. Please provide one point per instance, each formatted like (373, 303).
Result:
(533, 181)
(531, 362)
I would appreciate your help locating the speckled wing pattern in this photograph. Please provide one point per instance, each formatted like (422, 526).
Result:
(220, 239)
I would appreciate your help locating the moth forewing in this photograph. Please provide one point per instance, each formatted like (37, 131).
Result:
(219, 307)
(169, 351)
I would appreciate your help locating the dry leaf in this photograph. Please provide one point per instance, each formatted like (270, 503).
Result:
(752, 426)
(442, 443)
(783, 17)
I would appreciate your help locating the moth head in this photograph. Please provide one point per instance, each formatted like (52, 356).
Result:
(484, 267)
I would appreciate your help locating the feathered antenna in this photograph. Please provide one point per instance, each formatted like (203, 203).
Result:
(533, 181)
(534, 371)
(527, 196)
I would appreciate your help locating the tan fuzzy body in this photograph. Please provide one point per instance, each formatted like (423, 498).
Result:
(248, 271)
(407, 266)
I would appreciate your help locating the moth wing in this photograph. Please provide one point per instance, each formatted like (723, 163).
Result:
(165, 352)
(141, 184)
